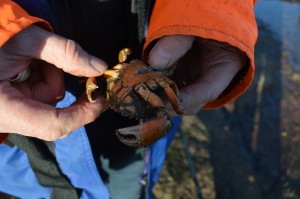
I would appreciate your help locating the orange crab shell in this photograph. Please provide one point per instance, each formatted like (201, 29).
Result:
(121, 94)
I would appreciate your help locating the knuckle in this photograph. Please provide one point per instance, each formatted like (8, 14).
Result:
(71, 50)
(57, 129)
(91, 115)
(71, 54)
(54, 134)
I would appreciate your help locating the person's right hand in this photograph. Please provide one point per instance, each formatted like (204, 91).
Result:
(26, 108)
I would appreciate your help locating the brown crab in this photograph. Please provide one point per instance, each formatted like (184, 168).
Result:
(129, 91)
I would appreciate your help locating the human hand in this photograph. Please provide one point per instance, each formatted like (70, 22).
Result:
(26, 108)
(203, 71)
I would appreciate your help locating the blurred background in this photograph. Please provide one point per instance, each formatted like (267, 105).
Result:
(249, 149)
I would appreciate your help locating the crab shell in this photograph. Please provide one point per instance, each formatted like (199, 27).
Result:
(121, 88)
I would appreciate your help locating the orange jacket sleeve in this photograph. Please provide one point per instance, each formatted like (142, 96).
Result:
(232, 22)
(13, 19)
(3, 137)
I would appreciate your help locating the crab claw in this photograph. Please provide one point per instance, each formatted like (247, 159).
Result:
(91, 86)
(145, 134)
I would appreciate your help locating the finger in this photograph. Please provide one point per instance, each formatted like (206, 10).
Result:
(11, 65)
(63, 53)
(47, 83)
(79, 114)
(169, 49)
(44, 121)
(208, 87)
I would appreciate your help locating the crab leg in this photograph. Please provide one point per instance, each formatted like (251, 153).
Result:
(147, 133)
(123, 54)
(171, 91)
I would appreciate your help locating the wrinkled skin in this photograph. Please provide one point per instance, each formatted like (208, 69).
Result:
(130, 91)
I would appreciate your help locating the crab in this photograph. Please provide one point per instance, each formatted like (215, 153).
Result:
(130, 91)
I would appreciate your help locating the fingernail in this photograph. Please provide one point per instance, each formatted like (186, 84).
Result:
(159, 57)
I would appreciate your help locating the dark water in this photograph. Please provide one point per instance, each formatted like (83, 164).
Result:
(258, 156)
(282, 18)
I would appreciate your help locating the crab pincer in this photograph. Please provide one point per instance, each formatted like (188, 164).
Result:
(146, 133)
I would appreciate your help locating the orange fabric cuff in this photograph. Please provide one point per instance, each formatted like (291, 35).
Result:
(3, 137)
(13, 19)
(232, 22)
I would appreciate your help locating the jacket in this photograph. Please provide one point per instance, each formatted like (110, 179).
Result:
(231, 22)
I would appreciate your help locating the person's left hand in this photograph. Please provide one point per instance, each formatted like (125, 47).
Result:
(205, 67)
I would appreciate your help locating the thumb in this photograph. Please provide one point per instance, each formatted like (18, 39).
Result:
(34, 42)
(169, 49)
